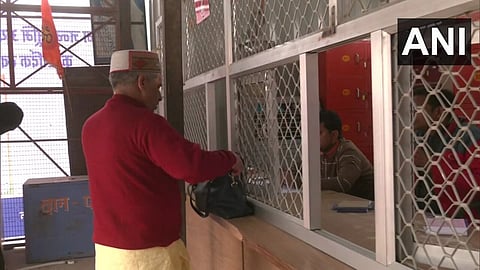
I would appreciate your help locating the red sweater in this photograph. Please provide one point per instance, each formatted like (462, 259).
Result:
(134, 159)
(458, 168)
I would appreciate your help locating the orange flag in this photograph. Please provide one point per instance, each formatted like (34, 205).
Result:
(50, 47)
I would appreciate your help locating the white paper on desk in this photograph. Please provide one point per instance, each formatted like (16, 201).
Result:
(442, 227)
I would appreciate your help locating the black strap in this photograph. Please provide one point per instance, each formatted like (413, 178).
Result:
(190, 190)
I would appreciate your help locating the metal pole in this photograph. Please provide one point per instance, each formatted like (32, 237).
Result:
(43, 151)
(173, 80)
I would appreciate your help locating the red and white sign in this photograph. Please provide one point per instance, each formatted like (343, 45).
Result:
(202, 10)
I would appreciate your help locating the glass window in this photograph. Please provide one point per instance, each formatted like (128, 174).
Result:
(346, 143)
(76, 3)
(21, 159)
(24, 71)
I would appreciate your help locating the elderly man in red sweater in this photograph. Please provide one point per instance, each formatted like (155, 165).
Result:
(134, 161)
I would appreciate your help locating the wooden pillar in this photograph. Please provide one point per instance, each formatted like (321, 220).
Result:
(173, 76)
(124, 30)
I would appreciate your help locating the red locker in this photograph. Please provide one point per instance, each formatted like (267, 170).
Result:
(345, 87)
(467, 86)
(430, 74)
(348, 93)
(350, 59)
(357, 129)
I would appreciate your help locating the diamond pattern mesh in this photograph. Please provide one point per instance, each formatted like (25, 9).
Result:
(104, 32)
(437, 167)
(269, 136)
(205, 42)
(260, 25)
(352, 9)
(195, 125)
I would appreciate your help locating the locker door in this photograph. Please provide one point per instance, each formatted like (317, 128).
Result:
(348, 93)
(356, 125)
(429, 74)
(345, 87)
(350, 59)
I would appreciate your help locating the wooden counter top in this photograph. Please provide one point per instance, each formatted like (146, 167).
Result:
(282, 249)
(358, 228)
(249, 243)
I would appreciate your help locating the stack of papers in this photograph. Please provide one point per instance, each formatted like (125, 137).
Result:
(354, 206)
(440, 226)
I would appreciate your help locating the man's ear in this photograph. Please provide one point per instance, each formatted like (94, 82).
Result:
(141, 82)
(336, 134)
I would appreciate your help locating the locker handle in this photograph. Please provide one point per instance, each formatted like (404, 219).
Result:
(359, 128)
(358, 93)
(357, 58)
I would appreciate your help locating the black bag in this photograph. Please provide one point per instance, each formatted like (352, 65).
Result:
(224, 196)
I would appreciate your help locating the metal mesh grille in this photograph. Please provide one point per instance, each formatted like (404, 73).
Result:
(30, 68)
(269, 136)
(195, 116)
(104, 41)
(75, 39)
(22, 160)
(351, 9)
(103, 32)
(260, 25)
(205, 42)
(437, 164)
(44, 115)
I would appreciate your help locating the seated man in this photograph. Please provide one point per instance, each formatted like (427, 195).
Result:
(452, 164)
(344, 168)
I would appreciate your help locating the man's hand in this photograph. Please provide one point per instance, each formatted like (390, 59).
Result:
(238, 166)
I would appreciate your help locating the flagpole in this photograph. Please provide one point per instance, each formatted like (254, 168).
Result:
(66, 92)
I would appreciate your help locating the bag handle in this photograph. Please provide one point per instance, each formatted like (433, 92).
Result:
(190, 190)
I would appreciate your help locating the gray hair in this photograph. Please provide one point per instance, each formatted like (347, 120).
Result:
(128, 77)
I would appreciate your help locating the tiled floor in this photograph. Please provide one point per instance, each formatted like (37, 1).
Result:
(15, 260)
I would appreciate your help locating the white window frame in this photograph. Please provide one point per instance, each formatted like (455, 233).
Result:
(379, 26)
